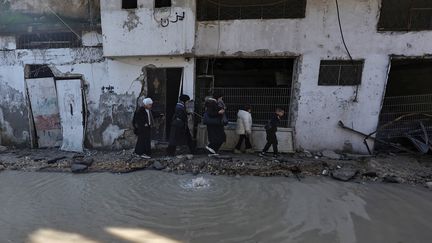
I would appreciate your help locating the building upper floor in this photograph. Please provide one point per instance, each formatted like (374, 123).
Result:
(221, 27)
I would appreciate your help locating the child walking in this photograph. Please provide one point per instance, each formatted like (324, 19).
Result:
(244, 129)
(271, 129)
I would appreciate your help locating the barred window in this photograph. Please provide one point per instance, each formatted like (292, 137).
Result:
(405, 15)
(250, 9)
(162, 3)
(48, 40)
(340, 72)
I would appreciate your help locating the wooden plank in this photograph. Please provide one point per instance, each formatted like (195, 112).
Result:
(71, 114)
(43, 101)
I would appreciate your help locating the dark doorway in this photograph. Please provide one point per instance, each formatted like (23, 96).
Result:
(407, 99)
(163, 88)
(263, 83)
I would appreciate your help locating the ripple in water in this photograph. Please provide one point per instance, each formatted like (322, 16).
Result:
(199, 183)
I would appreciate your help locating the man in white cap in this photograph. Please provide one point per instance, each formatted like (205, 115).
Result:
(142, 123)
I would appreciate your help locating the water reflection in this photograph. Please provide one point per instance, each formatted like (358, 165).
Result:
(151, 206)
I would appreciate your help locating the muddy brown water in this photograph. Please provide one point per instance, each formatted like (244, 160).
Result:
(152, 206)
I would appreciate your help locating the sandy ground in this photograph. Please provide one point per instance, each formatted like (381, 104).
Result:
(407, 169)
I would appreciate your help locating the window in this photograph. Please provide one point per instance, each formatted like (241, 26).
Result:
(405, 15)
(162, 3)
(48, 40)
(129, 4)
(340, 72)
(250, 9)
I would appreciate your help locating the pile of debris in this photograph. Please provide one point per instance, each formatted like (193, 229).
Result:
(342, 167)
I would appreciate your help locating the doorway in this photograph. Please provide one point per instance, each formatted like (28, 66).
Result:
(407, 99)
(164, 88)
(56, 105)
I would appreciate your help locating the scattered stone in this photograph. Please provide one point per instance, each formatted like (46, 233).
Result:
(331, 154)
(54, 160)
(180, 156)
(307, 154)
(2, 167)
(372, 174)
(373, 164)
(357, 156)
(189, 156)
(325, 172)
(78, 168)
(391, 179)
(3, 148)
(86, 161)
(158, 165)
(428, 184)
(344, 174)
(195, 170)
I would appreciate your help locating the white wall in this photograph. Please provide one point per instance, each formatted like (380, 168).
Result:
(139, 32)
(7, 43)
(110, 114)
(314, 38)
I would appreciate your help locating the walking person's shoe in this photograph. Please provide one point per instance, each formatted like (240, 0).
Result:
(236, 151)
(250, 151)
(144, 156)
(210, 150)
(262, 154)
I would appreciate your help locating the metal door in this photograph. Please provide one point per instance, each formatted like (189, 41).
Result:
(43, 102)
(70, 104)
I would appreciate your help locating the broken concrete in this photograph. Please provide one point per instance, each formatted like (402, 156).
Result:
(416, 171)
(344, 174)
(330, 154)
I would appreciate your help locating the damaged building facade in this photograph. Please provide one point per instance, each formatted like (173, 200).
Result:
(71, 77)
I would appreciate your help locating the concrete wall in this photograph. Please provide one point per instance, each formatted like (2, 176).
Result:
(317, 37)
(109, 113)
(141, 31)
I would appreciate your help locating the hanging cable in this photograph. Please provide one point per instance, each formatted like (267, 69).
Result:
(341, 31)
(345, 45)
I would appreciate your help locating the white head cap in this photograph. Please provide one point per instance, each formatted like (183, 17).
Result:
(147, 101)
(142, 101)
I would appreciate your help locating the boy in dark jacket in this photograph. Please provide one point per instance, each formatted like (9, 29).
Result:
(271, 129)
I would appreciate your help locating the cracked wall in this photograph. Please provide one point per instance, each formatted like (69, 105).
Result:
(14, 124)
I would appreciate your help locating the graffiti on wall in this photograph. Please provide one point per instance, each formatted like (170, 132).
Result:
(166, 21)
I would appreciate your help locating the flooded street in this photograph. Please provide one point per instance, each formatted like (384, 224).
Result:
(150, 206)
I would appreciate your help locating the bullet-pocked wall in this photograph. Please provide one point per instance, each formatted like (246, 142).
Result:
(314, 38)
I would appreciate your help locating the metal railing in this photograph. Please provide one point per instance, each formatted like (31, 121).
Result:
(250, 9)
(48, 40)
(397, 106)
(263, 101)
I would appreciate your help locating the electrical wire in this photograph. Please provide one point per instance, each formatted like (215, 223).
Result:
(341, 31)
(345, 45)
(79, 37)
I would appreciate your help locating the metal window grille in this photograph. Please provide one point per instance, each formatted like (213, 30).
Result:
(250, 9)
(397, 106)
(263, 101)
(405, 15)
(340, 72)
(48, 40)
